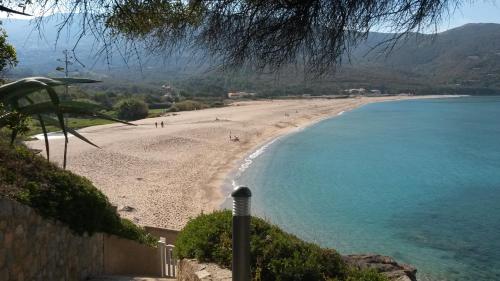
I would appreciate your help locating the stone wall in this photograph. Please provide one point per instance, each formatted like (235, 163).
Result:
(34, 248)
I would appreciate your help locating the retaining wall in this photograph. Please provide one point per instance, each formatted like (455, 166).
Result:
(34, 248)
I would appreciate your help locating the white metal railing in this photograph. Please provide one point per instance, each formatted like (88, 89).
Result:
(167, 259)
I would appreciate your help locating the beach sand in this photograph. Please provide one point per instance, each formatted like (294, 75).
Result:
(163, 176)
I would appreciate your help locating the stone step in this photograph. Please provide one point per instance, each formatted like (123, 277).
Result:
(129, 278)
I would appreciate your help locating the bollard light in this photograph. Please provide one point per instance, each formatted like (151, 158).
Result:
(241, 233)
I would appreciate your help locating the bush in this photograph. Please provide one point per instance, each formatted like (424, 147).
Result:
(276, 255)
(217, 104)
(132, 109)
(159, 105)
(188, 105)
(173, 108)
(365, 275)
(61, 195)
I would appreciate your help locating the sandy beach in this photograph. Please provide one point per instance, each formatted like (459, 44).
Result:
(164, 176)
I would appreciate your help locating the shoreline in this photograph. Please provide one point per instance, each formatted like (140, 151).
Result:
(419, 123)
(247, 160)
(228, 184)
(162, 177)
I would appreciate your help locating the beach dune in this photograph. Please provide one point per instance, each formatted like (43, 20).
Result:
(163, 176)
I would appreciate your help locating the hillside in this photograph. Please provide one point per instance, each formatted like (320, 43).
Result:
(461, 60)
(467, 56)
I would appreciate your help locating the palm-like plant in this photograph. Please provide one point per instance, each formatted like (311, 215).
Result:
(17, 104)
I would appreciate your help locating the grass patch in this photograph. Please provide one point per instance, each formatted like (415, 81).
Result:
(156, 112)
(275, 254)
(73, 122)
(78, 123)
(61, 195)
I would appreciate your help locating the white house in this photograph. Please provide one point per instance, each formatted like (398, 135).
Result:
(238, 95)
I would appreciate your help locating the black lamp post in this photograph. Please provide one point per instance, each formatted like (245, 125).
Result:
(241, 233)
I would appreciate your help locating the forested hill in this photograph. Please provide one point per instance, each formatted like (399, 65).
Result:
(467, 55)
(461, 60)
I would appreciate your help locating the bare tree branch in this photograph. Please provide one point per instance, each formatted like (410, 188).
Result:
(264, 34)
(5, 9)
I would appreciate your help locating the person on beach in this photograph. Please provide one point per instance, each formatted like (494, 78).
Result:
(156, 124)
(162, 124)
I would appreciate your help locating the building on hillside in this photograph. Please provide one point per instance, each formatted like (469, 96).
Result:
(169, 91)
(239, 95)
(363, 92)
(360, 91)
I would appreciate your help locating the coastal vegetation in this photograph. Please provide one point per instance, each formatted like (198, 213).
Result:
(8, 56)
(61, 195)
(275, 254)
(132, 109)
(34, 181)
(188, 105)
(36, 97)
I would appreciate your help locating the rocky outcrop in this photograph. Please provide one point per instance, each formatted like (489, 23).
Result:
(383, 264)
(191, 270)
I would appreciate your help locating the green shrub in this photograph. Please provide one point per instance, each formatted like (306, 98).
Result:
(173, 108)
(188, 105)
(61, 195)
(276, 255)
(365, 275)
(132, 109)
(217, 104)
(159, 105)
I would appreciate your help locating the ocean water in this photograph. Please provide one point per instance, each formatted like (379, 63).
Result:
(417, 180)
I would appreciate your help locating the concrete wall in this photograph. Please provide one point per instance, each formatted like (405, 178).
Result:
(168, 234)
(33, 248)
(127, 257)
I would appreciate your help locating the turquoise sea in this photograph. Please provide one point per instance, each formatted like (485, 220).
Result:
(417, 180)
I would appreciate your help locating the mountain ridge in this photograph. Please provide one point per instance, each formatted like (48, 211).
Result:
(461, 58)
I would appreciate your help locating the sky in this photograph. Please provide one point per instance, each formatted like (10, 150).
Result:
(481, 11)
(472, 11)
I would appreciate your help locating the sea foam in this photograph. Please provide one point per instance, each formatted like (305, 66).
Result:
(249, 160)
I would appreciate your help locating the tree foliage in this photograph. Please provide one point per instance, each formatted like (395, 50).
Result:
(267, 34)
(275, 254)
(17, 104)
(8, 57)
(270, 34)
(132, 109)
